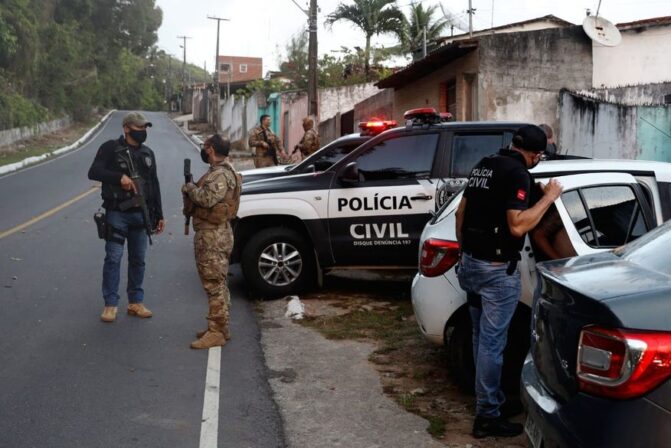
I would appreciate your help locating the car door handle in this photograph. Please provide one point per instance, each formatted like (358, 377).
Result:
(421, 197)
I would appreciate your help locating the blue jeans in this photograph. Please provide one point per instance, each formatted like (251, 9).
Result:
(499, 293)
(131, 225)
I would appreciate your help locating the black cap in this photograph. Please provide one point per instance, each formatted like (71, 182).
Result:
(530, 138)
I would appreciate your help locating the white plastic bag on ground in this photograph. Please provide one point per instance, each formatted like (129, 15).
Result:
(295, 308)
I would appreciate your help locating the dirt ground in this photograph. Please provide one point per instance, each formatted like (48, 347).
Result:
(413, 372)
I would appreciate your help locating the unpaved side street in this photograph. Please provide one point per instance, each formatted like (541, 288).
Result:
(328, 392)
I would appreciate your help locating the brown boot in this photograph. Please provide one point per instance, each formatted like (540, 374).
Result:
(139, 310)
(109, 314)
(225, 332)
(209, 339)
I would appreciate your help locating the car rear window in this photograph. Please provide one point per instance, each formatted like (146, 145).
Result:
(606, 215)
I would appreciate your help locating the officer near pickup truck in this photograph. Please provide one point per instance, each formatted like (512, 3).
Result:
(212, 202)
(132, 200)
(266, 145)
(491, 223)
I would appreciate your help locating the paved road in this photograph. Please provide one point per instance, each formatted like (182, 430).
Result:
(69, 380)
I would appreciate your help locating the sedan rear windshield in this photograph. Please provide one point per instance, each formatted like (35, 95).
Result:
(651, 251)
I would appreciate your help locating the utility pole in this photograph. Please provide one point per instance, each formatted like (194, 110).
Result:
(217, 93)
(313, 107)
(470, 12)
(313, 103)
(216, 57)
(424, 43)
(184, 38)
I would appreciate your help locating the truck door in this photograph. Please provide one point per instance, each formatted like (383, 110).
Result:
(379, 203)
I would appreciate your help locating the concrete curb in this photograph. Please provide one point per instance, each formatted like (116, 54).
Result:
(36, 159)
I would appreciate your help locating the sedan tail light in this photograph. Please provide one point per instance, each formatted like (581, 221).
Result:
(438, 256)
(622, 364)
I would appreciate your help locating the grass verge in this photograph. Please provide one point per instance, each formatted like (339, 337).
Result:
(47, 143)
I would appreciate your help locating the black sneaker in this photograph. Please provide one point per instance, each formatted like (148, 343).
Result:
(495, 427)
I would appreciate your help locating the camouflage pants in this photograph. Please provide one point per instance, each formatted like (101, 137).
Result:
(213, 249)
(262, 159)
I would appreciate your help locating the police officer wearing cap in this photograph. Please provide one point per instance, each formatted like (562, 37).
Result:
(127, 170)
(491, 222)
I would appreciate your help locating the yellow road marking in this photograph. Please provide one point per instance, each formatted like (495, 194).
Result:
(47, 213)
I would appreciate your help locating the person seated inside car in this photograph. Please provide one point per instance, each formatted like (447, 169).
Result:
(550, 239)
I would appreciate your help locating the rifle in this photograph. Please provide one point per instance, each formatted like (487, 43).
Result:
(139, 199)
(272, 151)
(188, 178)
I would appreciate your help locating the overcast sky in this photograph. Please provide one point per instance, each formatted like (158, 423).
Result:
(261, 28)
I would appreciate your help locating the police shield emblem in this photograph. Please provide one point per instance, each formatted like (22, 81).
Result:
(147, 161)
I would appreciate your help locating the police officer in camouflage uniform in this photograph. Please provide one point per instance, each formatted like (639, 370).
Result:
(266, 145)
(308, 144)
(212, 203)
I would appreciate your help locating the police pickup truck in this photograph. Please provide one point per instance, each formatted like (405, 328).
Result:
(365, 211)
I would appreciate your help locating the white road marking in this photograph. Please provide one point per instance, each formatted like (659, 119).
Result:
(209, 428)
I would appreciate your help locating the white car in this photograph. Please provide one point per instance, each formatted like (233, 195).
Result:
(605, 204)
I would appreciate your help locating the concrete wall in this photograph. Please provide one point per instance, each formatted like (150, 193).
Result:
(294, 109)
(380, 105)
(9, 136)
(593, 128)
(329, 130)
(425, 91)
(238, 117)
(342, 99)
(647, 94)
(521, 74)
(200, 105)
(641, 58)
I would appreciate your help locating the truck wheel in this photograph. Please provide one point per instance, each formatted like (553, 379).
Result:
(277, 262)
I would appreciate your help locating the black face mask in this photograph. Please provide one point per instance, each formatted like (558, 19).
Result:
(138, 136)
(203, 156)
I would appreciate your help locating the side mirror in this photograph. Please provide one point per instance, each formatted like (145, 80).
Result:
(350, 175)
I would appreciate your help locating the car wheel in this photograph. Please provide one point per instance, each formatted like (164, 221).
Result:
(460, 353)
(277, 262)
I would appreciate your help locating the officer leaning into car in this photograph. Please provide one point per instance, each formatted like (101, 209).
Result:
(127, 170)
(491, 223)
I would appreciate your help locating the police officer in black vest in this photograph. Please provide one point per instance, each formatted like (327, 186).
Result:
(491, 222)
(132, 201)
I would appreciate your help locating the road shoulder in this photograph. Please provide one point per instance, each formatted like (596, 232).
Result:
(328, 393)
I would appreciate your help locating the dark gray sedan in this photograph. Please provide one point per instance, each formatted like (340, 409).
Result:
(598, 371)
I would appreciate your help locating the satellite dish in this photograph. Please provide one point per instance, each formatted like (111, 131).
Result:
(601, 31)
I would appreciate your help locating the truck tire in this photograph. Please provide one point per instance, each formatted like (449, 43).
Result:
(460, 353)
(277, 262)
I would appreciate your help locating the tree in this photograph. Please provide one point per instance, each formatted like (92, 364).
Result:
(373, 17)
(295, 67)
(418, 20)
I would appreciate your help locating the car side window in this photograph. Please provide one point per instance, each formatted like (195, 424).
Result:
(468, 149)
(607, 215)
(402, 157)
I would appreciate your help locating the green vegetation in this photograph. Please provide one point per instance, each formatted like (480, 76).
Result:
(373, 17)
(69, 56)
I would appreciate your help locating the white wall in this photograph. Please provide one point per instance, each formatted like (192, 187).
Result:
(343, 99)
(641, 58)
(9, 136)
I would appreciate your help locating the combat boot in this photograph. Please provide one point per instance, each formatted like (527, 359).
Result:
(209, 339)
(109, 314)
(139, 310)
(225, 332)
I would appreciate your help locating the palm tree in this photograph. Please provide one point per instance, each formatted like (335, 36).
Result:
(419, 19)
(374, 17)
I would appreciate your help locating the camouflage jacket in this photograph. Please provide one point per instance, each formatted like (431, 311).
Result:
(256, 139)
(208, 196)
(309, 143)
